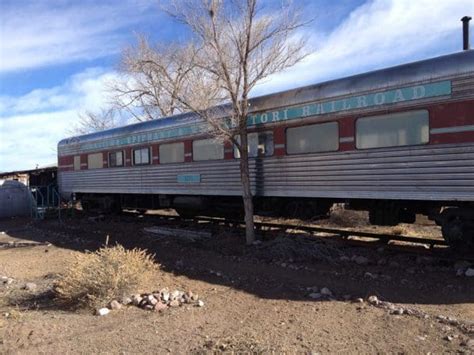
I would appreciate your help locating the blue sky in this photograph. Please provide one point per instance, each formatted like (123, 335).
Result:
(57, 57)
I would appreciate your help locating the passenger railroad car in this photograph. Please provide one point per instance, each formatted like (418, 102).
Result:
(395, 142)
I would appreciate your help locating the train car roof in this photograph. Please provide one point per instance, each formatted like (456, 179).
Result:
(425, 70)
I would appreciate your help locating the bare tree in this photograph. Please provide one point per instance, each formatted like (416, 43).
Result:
(154, 76)
(90, 122)
(236, 45)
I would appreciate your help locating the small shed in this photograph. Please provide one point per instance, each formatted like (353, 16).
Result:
(15, 199)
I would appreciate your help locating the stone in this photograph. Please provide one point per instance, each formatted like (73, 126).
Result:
(315, 295)
(114, 305)
(394, 264)
(469, 272)
(359, 300)
(195, 297)
(360, 260)
(175, 295)
(326, 292)
(175, 303)
(460, 272)
(200, 303)
(373, 300)
(30, 286)
(126, 301)
(136, 299)
(149, 307)
(151, 300)
(313, 289)
(165, 296)
(344, 258)
(399, 311)
(461, 264)
(103, 311)
(382, 262)
(370, 276)
(160, 306)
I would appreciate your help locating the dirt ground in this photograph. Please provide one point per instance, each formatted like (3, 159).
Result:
(256, 297)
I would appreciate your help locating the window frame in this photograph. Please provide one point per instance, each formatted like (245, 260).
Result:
(115, 152)
(141, 148)
(101, 160)
(74, 162)
(314, 124)
(392, 113)
(237, 137)
(208, 139)
(172, 162)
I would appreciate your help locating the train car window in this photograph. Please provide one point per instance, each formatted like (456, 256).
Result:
(208, 149)
(393, 130)
(115, 159)
(94, 161)
(77, 162)
(260, 144)
(141, 156)
(316, 138)
(172, 153)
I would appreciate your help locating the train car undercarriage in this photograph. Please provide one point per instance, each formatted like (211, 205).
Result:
(456, 220)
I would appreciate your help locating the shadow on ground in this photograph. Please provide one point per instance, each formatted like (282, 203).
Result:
(281, 267)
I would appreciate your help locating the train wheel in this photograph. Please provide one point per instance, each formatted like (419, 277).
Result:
(458, 231)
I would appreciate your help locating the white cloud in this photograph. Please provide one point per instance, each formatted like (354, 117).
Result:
(378, 34)
(31, 125)
(43, 33)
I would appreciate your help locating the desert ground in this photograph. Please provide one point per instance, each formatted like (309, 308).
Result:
(264, 298)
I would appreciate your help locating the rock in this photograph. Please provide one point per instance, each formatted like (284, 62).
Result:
(346, 297)
(160, 306)
(175, 303)
(30, 286)
(103, 311)
(175, 295)
(313, 289)
(373, 300)
(370, 276)
(151, 300)
(359, 300)
(394, 264)
(257, 242)
(165, 296)
(382, 262)
(114, 305)
(326, 292)
(195, 297)
(399, 311)
(448, 338)
(126, 301)
(315, 295)
(460, 272)
(149, 307)
(344, 258)
(469, 272)
(424, 260)
(360, 260)
(200, 303)
(461, 264)
(136, 299)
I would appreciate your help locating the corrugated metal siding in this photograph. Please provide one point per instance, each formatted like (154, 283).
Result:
(442, 172)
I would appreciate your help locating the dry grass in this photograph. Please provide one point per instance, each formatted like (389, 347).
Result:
(94, 279)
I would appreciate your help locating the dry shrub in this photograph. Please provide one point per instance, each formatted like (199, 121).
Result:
(94, 279)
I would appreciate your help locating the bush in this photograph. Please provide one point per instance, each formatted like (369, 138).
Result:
(94, 279)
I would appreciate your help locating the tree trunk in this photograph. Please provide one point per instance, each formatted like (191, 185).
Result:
(246, 190)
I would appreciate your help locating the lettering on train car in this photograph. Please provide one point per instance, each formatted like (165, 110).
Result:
(411, 93)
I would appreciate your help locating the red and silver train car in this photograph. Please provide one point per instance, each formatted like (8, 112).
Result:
(395, 142)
